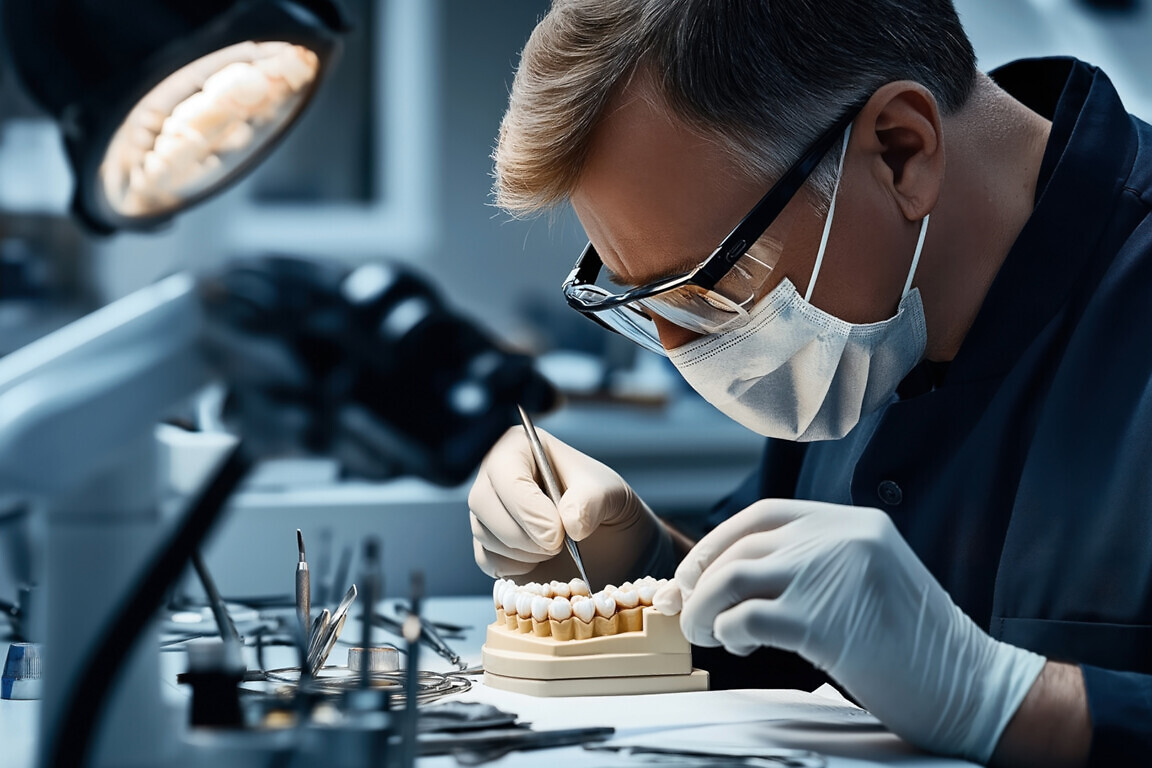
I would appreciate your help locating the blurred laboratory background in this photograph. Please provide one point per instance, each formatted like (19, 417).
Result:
(392, 161)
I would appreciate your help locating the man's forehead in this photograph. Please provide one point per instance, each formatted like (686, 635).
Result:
(654, 195)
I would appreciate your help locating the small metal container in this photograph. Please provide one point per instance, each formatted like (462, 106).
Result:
(377, 659)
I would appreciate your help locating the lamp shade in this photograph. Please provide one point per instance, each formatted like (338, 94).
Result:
(164, 103)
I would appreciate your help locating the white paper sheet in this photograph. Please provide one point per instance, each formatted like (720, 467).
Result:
(730, 722)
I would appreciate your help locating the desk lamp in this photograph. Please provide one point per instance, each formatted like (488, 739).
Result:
(164, 103)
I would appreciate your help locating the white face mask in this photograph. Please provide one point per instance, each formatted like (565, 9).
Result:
(796, 372)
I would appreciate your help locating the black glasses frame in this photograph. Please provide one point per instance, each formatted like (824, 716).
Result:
(713, 269)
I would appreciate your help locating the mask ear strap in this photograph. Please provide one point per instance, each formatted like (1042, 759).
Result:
(828, 221)
(916, 256)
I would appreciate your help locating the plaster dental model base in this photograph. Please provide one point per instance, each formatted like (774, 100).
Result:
(558, 639)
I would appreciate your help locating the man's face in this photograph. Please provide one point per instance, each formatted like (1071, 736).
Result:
(656, 199)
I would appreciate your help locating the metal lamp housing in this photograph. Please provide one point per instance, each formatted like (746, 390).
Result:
(92, 63)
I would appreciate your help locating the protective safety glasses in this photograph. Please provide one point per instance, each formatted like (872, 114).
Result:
(717, 294)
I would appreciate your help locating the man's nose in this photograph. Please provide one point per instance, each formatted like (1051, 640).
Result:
(672, 335)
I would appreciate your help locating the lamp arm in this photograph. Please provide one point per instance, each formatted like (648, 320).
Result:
(70, 399)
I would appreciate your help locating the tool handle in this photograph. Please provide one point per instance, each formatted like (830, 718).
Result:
(547, 474)
(303, 595)
(552, 486)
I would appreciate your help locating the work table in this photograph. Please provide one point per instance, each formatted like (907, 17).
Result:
(847, 736)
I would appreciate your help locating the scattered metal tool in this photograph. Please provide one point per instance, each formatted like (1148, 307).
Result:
(551, 485)
(322, 645)
(430, 637)
(317, 631)
(475, 748)
(228, 632)
(373, 587)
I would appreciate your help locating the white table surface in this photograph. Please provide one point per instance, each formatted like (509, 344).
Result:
(796, 716)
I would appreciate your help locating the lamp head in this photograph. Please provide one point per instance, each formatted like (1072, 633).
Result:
(164, 103)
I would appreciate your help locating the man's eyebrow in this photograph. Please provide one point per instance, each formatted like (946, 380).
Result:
(616, 279)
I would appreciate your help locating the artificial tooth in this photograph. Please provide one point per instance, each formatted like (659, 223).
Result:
(242, 83)
(668, 599)
(605, 605)
(509, 603)
(646, 592)
(540, 625)
(628, 610)
(297, 66)
(524, 611)
(203, 114)
(585, 610)
(239, 136)
(560, 619)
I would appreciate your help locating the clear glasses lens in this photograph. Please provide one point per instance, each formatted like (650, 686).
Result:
(718, 309)
(628, 321)
(689, 306)
(696, 309)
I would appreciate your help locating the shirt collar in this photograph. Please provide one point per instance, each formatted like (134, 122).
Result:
(1089, 154)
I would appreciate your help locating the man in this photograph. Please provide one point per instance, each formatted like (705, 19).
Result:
(935, 305)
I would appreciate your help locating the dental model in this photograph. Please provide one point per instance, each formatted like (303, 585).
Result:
(569, 610)
(632, 641)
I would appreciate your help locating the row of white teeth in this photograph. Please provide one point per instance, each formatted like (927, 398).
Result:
(167, 148)
(559, 601)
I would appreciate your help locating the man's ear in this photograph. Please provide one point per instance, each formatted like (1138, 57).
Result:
(901, 126)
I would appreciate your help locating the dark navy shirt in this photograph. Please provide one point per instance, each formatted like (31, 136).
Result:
(1021, 472)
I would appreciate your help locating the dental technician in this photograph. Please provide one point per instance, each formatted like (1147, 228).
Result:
(930, 287)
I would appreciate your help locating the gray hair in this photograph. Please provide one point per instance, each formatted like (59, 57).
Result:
(760, 78)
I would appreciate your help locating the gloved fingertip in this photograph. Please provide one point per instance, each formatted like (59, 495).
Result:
(575, 518)
(697, 635)
(519, 569)
(740, 650)
(482, 561)
(688, 572)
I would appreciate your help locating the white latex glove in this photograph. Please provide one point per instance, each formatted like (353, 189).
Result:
(517, 530)
(842, 588)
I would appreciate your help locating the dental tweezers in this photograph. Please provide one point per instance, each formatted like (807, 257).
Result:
(551, 485)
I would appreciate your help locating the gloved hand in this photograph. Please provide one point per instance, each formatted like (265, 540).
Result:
(518, 531)
(842, 588)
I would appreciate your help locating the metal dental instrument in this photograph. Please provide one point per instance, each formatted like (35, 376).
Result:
(430, 637)
(372, 588)
(340, 577)
(413, 628)
(551, 485)
(303, 588)
(319, 627)
(224, 621)
(320, 651)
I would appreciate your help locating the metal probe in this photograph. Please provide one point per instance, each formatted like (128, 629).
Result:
(303, 588)
(372, 590)
(413, 628)
(431, 637)
(551, 486)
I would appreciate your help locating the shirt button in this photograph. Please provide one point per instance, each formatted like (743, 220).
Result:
(890, 493)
